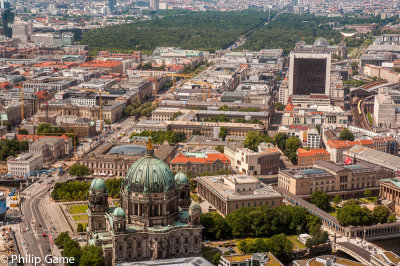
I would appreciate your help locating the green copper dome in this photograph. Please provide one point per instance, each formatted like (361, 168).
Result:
(149, 175)
(181, 178)
(119, 212)
(98, 184)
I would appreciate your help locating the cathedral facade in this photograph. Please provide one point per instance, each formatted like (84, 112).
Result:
(155, 220)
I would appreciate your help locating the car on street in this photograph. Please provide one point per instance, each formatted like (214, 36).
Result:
(44, 234)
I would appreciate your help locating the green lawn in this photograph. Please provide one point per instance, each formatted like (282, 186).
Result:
(78, 208)
(208, 253)
(296, 243)
(369, 199)
(83, 217)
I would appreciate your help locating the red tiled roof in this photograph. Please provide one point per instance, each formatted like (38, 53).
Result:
(304, 153)
(211, 157)
(289, 107)
(36, 137)
(106, 64)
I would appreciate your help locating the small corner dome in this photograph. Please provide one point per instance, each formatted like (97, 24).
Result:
(119, 212)
(194, 206)
(181, 178)
(321, 42)
(98, 184)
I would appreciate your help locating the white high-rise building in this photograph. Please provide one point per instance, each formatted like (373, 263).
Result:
(155, 4)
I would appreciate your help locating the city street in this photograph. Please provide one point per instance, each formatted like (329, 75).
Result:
(37, 231)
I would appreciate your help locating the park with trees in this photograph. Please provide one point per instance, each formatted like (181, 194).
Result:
(210, 30)
(353, 211)
(264, 228)
(160, 136)
(78, 190)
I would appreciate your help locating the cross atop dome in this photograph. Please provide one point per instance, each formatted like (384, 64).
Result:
(150, 149)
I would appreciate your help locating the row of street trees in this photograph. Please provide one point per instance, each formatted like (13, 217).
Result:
(90, 255)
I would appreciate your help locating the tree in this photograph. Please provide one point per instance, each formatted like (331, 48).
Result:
(380, 214)
(309, 243)
(280, 141)
(321, 200)
(223, 132)
(175, 115)
(220, 148)
(392, 218)
(253, 139)
(224, 108)
(216, 258)
(92, 256)
(215, 226)
(291, 146)
(337, 199)
(61, 239)
(351, 202)
(280, 246)
(107, 121)
(279, 106)
(346, 134)
(79, 227)
(367, 193)
(23, 131)
(354, 215)
(72, 249)
(79, 170)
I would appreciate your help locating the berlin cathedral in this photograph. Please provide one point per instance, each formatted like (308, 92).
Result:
(156, 218)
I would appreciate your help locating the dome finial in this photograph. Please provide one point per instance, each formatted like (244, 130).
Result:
(150, 149)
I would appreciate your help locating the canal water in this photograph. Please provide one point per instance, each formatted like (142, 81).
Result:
(390, 245)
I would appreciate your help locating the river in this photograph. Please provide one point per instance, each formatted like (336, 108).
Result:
(390, 245)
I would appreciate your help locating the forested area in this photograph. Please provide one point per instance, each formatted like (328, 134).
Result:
(287, 29)
(210, 30)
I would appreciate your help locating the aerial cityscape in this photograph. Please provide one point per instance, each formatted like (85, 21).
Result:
(199, 133)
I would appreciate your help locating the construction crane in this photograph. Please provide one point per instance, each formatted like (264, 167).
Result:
(100, 102)
(22, 104)
(177, 75)
(155, 80)
(206, 88)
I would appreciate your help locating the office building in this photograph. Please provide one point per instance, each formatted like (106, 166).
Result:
(155, 4)
(309, 73)
(265, 161)
(25, 164)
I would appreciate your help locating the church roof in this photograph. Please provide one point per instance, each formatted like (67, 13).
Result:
(98, 184)
(149, 175)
